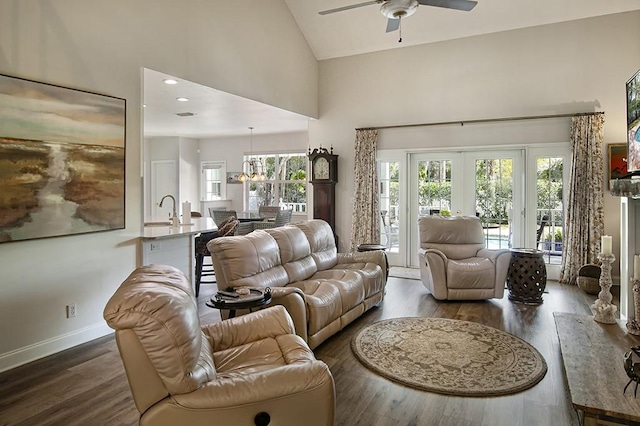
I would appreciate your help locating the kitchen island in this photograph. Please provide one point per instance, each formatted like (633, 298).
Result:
(174, 245)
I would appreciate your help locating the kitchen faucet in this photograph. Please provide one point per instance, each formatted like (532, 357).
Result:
(174, 219)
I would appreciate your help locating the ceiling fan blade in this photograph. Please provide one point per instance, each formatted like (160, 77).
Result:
(353, 6)
(392, 25)
(465, 5)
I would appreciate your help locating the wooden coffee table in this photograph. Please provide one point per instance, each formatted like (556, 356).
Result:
(592, 354)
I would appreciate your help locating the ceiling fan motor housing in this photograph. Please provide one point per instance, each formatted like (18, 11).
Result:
(396, 9)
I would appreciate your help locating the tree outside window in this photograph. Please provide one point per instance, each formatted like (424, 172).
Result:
(286, 183)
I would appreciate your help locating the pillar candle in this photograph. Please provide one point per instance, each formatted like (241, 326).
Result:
(636, 268)
(605, 244)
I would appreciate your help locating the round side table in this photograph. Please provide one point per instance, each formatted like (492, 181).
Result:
(374, 247)
(254, 299)
(527, 276)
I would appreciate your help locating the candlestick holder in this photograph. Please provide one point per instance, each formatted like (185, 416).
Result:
(633, 325)
(603, 307)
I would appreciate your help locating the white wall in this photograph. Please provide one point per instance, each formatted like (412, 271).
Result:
(250, 48)
(189, 173)
(562, 68)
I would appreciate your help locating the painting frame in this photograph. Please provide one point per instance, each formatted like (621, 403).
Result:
(617, 161)
(233, 177)
(62, 160)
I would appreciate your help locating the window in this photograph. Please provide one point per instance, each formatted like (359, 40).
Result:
(286, 183)
(213, 180)
(434, 187)
(550, 208)
(388, 176)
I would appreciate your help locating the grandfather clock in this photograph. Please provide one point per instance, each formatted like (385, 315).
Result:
(324, 176)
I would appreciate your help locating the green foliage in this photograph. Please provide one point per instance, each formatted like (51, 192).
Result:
(494, 190)
(434, 183)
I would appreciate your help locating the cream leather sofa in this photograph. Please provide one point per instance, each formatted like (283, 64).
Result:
(247, 370)
(454, 265)
(323, 290)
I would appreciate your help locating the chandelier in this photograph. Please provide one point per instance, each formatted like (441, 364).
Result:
(255, 167)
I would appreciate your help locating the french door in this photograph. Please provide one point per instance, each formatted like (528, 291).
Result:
(487, 184)
(517, 194)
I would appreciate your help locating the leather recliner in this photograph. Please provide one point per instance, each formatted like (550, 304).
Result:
(247, 370)
(454, 263)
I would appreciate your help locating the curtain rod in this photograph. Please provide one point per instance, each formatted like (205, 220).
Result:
(484, 120)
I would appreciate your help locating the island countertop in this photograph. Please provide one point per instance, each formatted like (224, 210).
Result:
(198, 224)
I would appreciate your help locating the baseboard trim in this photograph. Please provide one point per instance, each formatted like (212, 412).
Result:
(51, 346)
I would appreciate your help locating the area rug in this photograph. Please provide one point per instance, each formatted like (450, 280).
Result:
(450, 357)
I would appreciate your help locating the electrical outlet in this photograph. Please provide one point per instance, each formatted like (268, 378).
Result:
(71, 310)
(155, 247)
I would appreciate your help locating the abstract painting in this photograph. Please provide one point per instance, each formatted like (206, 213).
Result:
(62, 160)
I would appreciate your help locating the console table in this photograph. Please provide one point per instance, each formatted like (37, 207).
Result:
(592, 354)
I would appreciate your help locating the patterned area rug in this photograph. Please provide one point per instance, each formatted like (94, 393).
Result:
(450, 357)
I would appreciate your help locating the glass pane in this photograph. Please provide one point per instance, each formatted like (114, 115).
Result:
(494, 200)
(293, 196)
(389, 214)
(293, 167)
(260, 194)
(212, 182)
(550, 209)
(434, 187)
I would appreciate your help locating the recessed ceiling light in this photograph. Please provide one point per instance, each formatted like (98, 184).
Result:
(170, 81)
(182, 99)
(144, 105)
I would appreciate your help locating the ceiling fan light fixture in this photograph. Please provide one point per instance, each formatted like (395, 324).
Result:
(396, 9)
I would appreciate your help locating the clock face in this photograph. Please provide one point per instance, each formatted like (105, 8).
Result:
(321, 168)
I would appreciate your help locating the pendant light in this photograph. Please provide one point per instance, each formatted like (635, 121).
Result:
(255, 167)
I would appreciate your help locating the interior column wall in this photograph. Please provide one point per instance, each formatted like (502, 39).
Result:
(251, 48)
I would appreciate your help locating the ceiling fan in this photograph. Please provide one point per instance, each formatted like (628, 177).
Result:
(395, 10)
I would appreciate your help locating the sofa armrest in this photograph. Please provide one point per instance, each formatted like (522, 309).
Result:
(262, 324)
(502, 259)
(493, 254)
(285, 381)
(292, 298)
(375, 256)
(433, 271)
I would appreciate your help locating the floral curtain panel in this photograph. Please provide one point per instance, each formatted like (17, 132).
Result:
(365, 220)
(584, 222)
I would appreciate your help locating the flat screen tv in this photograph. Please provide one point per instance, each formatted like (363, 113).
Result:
(633, 123)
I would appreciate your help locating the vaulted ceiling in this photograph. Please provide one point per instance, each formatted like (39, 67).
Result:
(362, 29)
(351, 32)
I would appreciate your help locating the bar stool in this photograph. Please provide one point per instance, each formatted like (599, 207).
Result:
(227, 227)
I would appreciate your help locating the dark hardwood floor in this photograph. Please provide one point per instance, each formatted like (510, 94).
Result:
(86, 385)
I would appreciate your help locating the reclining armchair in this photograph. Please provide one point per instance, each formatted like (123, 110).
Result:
(454, 265)
(247, 370)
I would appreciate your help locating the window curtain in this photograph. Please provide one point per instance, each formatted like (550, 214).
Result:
(365, 220)
(584, 222)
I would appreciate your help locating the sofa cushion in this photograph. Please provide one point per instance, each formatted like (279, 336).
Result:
(324, 304)
(295, 252)
(349, 284)
(473, 273)
(157, 304)
(247, 260)
(458, 237)
(372, 275)
(321, 241)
